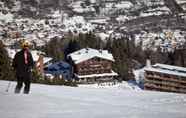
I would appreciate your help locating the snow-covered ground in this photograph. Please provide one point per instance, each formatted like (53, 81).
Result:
(182, 3)
(111, 85)
(80, 102)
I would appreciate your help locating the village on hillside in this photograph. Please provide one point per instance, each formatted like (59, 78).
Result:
(101, 41)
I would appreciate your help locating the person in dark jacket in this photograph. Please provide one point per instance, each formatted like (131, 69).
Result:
(23, 63)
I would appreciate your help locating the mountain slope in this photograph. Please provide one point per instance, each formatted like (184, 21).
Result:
(59, 101)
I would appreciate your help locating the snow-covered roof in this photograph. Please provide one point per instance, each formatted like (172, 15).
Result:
(35, 55)
(168, 69)
(77, 23)
(103, 35)
(88, 53)
(59, 68)
(7, 18)
(97, 75)
(180, 1)
(99, 21)
(93, 1)
(122, 18)
(124, 5)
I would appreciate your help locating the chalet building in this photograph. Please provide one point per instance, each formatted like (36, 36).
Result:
(91, 65)
(161, 77)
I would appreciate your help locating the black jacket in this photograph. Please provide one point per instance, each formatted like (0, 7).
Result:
(19, 65)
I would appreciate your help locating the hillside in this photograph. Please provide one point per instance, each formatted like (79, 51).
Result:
(59, 101)
(42, 20)
(154, 29)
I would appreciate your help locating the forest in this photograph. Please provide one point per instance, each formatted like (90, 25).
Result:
(127, 55)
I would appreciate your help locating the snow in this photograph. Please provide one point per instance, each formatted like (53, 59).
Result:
(103, 36)
(161, 68)
(150, 13)
(85, 54)
(139, 75)
(98, 75)
(56, 14)
(122, 18)
(77, 23)
(93, 1)
(110, 85)
(59, 101)
(151, 2)
(180, 1)
(99, 21)
(79, 10)
(168, 69)
(124, 5)
(76, 4)
(7, 18)
(35, 54)
(167, 40)
(36, 30)
(77, 7)
(17, 6)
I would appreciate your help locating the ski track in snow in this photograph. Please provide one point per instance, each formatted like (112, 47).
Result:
(78, 102)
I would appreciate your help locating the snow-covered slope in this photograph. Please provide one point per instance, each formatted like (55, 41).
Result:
(66, 102)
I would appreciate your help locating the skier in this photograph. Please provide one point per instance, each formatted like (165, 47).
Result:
(23, 63)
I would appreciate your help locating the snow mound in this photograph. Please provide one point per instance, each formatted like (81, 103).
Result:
(111, 85)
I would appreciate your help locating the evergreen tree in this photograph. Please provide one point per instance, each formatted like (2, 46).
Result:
(72, 46)
(6, 72)
(55, 48)
(90, 40)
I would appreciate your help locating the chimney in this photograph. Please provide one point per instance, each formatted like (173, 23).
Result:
(86, 50)
(100, 50)
(148, 63)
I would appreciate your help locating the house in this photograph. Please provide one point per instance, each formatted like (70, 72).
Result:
(60, 68)
(91, 65)
(161, 77)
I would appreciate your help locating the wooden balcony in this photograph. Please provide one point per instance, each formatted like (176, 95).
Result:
(163, 83)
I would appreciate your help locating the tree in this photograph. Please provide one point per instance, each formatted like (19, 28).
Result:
(72, 46)
(87, 2)
(119, 51)
(127, 56)
(89, 40)
(6, 72)
(55, 48)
